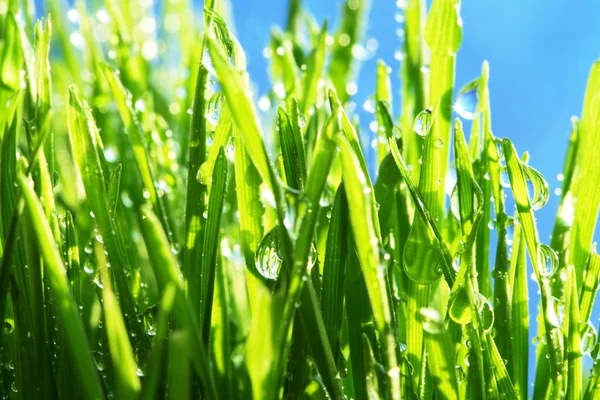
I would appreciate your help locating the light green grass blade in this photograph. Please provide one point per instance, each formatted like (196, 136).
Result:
(179, 370)
(127, 382)
(153, 376)
(520, 313)
(587, 176)
(440, 353)
(589, 290)
(443, 35)
(415, 86)
(530, 235)
(573, 335)
(85, 143)
(367, 242)
(136, 136)
(349, 34)
(315, 64)
(55, 277)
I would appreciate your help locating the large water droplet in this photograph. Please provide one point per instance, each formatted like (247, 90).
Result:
(423, 122)
(539, 192)
(203, 175)
(548, 259)
(466, 101)
(588, 338)
(486, 313)
(267, 258)
(421, 257)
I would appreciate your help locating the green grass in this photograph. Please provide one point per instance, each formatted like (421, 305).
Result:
(161, 237)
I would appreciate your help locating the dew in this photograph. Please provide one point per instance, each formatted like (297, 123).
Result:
(99, 360)
(466, 101)
(588, 338)
(421, 256)
(267, 258)
(491, 225)
(438, 143)
(423, 122)
(548, 259)
(538, 187)
(146, 194)
(203, 175)
(8, 326)
(486, 312)
(149, 320)
(425, 68)
(431, 320)
(301, 121)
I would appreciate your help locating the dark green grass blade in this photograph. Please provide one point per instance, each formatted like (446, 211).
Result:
(66, 310)
(334, 266)
(167, 273)
(590, 287)
(359, 318)
(212, 242)
(196, 191)
(156, 363)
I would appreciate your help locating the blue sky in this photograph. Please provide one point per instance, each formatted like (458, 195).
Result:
(540, 53)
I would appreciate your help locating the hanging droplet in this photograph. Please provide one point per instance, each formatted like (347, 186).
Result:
(422, 258)
(267, 258)
(486, 312)
(588, 338)
(548, 259)
(423, 122)
(538, 189)
(466, 101)
(203, 175)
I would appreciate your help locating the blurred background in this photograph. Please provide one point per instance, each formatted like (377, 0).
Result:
(540, 54)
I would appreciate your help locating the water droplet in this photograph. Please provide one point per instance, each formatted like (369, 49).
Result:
(491, 225)
(267, 258)
(8, 326)
(539, 192)
(422, 257)
(466, 101)
(203, 175)
(423, 122)
(588, 338)
(548, 259)
(438, 143)
(149, 318)
(486, 313)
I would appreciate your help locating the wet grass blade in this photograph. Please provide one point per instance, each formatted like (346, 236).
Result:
(211, 242)
(179, 370)
(572, 332)
(590, 287)
(66, 309)
(127, 381)
(440, 353)
(552, 329)
(334, 266)
(367, 242)
(349, 33)
(167, 273)
(520, 313)
(587, 176)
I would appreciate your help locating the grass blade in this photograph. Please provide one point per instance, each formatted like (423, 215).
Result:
(56, 279)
